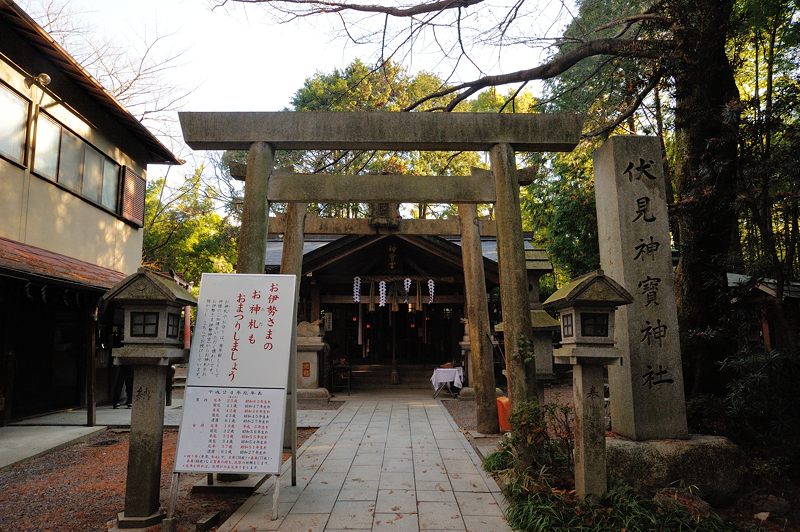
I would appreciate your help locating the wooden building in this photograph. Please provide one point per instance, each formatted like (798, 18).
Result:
(72, 187)
(412, 331)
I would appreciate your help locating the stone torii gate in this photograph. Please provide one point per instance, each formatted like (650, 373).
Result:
(499, 134)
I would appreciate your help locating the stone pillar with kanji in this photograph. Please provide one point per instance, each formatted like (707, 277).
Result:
(646, 391)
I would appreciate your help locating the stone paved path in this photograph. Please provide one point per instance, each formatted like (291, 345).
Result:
(391, 463)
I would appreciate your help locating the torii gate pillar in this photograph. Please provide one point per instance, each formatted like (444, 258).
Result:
(520, 364)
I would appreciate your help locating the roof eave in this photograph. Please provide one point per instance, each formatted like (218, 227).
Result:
(157, 152)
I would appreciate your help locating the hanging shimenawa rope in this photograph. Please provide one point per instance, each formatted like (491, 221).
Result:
(406, 288)
(431, 287)
(357, 289)
(395, 305)
(382, 294)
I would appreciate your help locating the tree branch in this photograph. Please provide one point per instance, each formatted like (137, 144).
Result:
(559, 64)
(321, 7)
(628, 112)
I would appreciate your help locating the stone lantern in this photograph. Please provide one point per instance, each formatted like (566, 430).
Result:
(587, 306)
(152, 304)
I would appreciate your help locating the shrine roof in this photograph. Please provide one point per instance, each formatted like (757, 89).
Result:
(488, 245)
(791, 290)
(34, 262)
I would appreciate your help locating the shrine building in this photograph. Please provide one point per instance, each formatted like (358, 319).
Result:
(417, 324)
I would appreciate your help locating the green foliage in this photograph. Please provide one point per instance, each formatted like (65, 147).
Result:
(359, 87)
(535, 465)
(537, 504)
(498, 461)
(492, 101)
(758, 411)
(769, 182)
(762, 402)
(601, 86)
(184, 232)
(560, 209)
(622, 508)
(538, 449)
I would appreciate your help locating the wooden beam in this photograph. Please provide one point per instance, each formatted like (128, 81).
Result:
(525, 175)
(521, 370)
(481, 368)
(381, 130)
(331, 188)
(317, 225)
(348, 279)
(336, 300)
(252, 245)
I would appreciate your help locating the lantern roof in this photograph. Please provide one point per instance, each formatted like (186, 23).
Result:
(540, 320)
(149, 286)
(537, 260)
(593, 289)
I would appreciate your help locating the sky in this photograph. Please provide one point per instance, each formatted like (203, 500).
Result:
(234, 59)
(238, 58)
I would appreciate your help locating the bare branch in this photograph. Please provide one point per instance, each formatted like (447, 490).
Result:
(512, 99)
(559, 64)
(321, 7)
(628, 111)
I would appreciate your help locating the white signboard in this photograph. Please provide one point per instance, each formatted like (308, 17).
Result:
(231, 430)
(243, 331)
(235, 402)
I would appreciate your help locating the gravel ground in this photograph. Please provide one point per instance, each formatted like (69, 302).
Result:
(463, 412)
(465, 415)
(82, 487)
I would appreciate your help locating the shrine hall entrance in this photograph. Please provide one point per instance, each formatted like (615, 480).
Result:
(387, 301)
(428, 337)
(412, 341)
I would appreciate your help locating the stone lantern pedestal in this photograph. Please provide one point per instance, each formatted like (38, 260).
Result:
(586, 306)
(590, 427)
(152, 304)
(143, 482)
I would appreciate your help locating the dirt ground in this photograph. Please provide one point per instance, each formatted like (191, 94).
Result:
(464, 414)
(82, 487)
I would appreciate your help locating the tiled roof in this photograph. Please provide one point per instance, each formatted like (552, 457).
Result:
(38, 262)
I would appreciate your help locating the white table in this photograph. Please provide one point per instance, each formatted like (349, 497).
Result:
(442, 377)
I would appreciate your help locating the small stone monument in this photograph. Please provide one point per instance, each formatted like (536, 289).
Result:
(309, 346)
(586, 306)
(152, 304)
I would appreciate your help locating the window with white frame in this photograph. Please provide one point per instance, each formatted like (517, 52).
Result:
(65, 158)
(14, 111)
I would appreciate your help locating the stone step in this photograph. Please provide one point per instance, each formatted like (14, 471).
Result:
(380, 376)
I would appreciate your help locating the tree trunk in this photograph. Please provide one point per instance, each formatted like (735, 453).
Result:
(706, 116)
